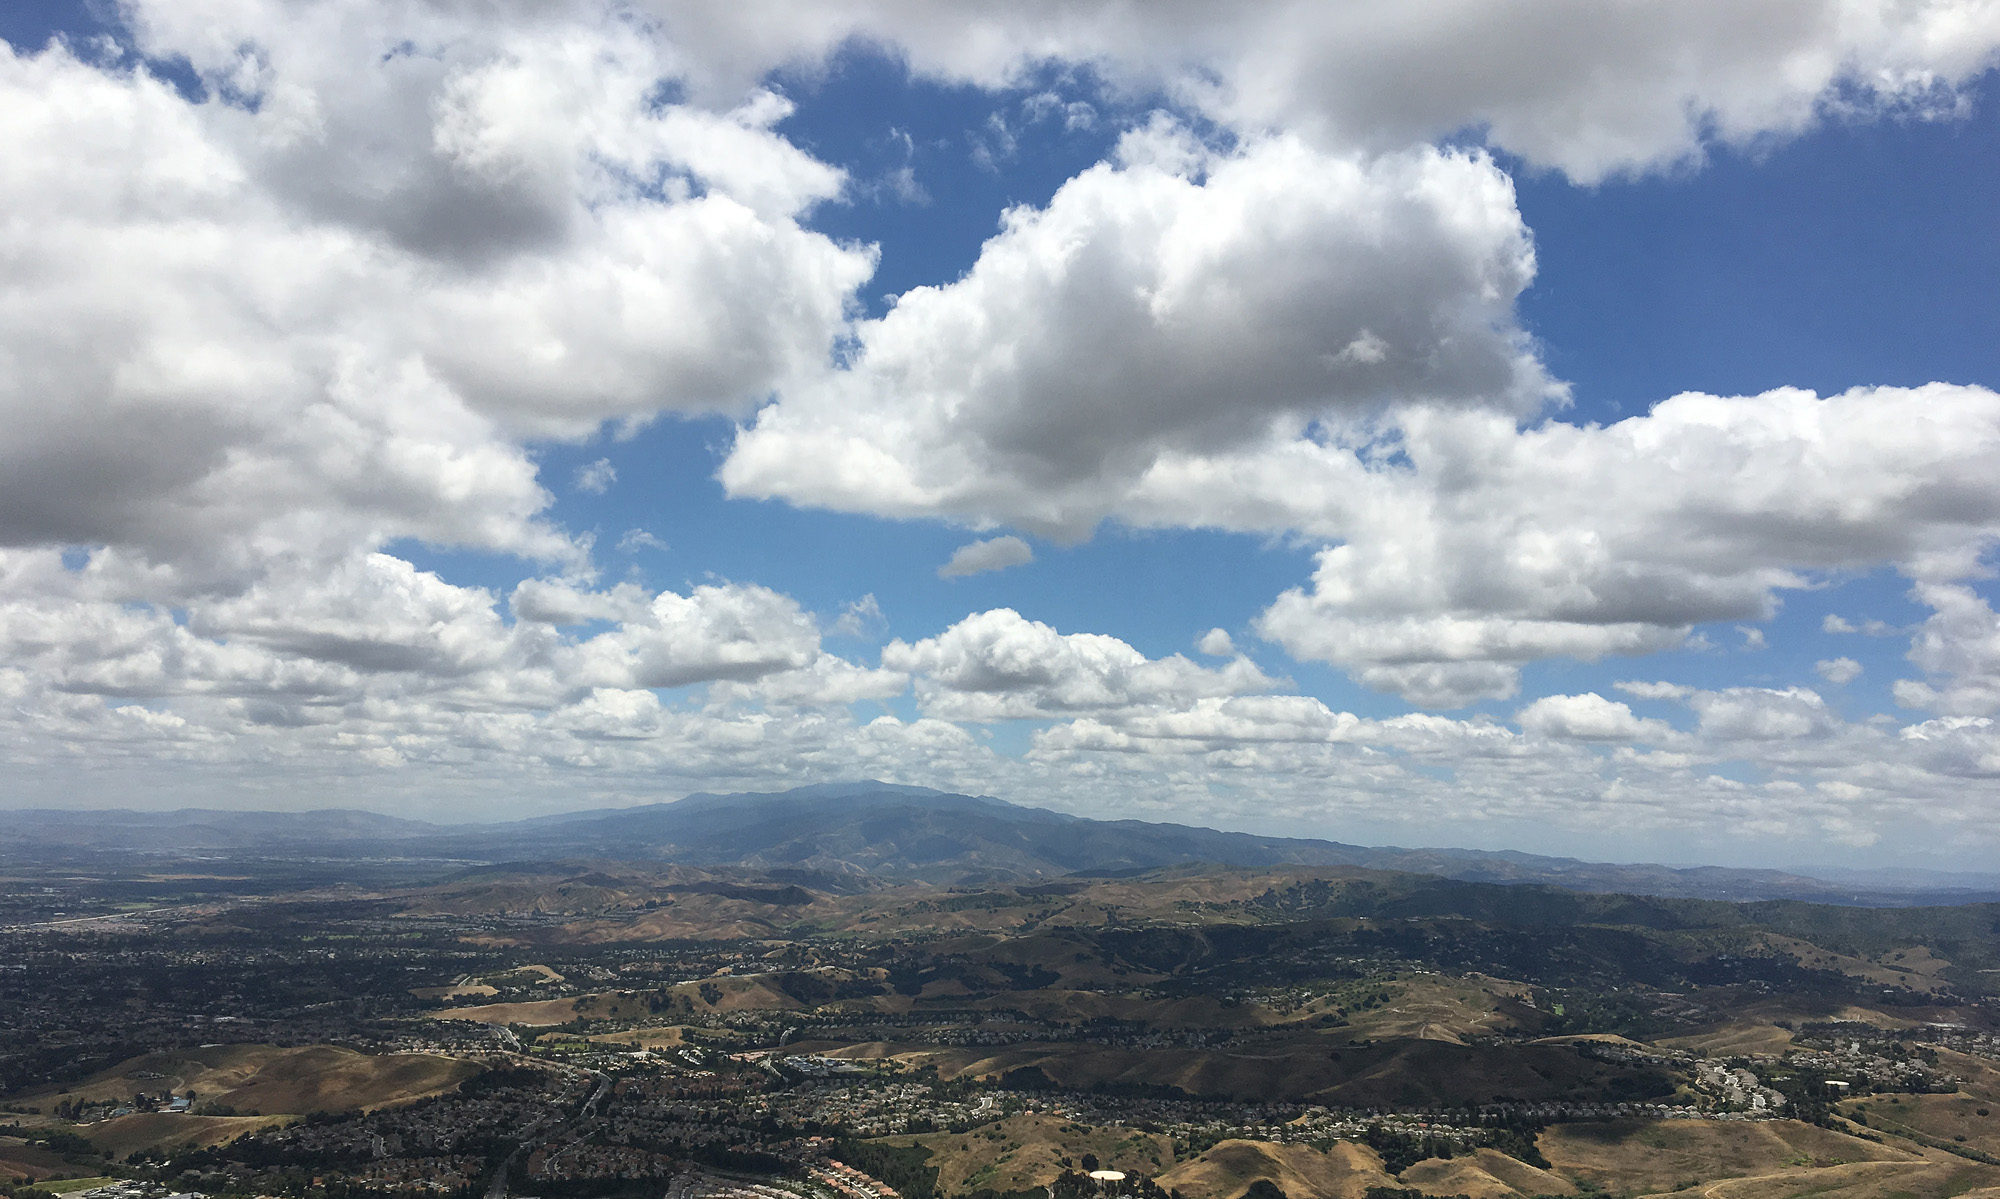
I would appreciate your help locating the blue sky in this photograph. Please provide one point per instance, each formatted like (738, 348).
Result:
(478, 418)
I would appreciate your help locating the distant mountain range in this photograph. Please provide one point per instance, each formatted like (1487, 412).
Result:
(877, 832)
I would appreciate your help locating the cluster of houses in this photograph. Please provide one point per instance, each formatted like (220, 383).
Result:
(135, 1189)
(1879, 1066)
(1735, 1089)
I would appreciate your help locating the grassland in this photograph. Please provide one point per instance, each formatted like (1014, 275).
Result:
(1959, 1119)
(1483, 1174)
(1230, 1167)
(69, 1185)
(146, 1131)
(1030, 1150)
(18, 1159)
(1646, 1157)
(268, 1080)
(756, 992)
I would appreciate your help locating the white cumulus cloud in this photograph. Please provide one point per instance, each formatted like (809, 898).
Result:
(1587, 88)
(999, 665)
(1216, 643)
(979, 557)
(1482, 545)
(1179, 301)
(1589, 717)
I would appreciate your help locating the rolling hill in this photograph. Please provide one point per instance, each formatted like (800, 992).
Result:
(852, 833)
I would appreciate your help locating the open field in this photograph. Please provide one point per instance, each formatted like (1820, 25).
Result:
(69, 1185)
(267, 1080)
(1030, 1150)
(1978, 1076)
(148, 1131)
(728, 993)
(1646, 1156)
(537, 1012)
(1483, 1174)
(1228, 1169)
(1945, 1178)
(642, 1038)
(1957, 1119)
(1432, 1008)
(455, 991)
(18, 1159)
(1915, 966)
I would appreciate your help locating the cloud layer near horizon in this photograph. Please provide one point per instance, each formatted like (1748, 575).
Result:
(332, 293)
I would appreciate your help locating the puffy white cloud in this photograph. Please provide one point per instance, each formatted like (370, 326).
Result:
(994, 553)
(737, 631)
(565, 602)
(1957, 746)
(1589, 717)
(314, 673)
(387, 684)
(374, 613)
(1206, 725)
(1816, 781)
(999, 665)
(1178, 301)
(828, 681)
(375, 630)
(1838, 671)
(1483, 545)
(1216, 643)
(1761, 714)
(318, 310)
(596, 477)
(253, 337)
(1959, 648)
(1588, 88)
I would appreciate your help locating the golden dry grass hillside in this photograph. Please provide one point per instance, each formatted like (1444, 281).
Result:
(1030, 1150)
(18, 1159)
(1483, 1174)
(1653, 1156)
(723, 993)
(147, 1131)
(1230, 1167)
(1959, 1119)
(269, 1080)
(1757, 1028)
(1942, 1178)
(1437, 1008)
(1918, 967)
(1977, 1076)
